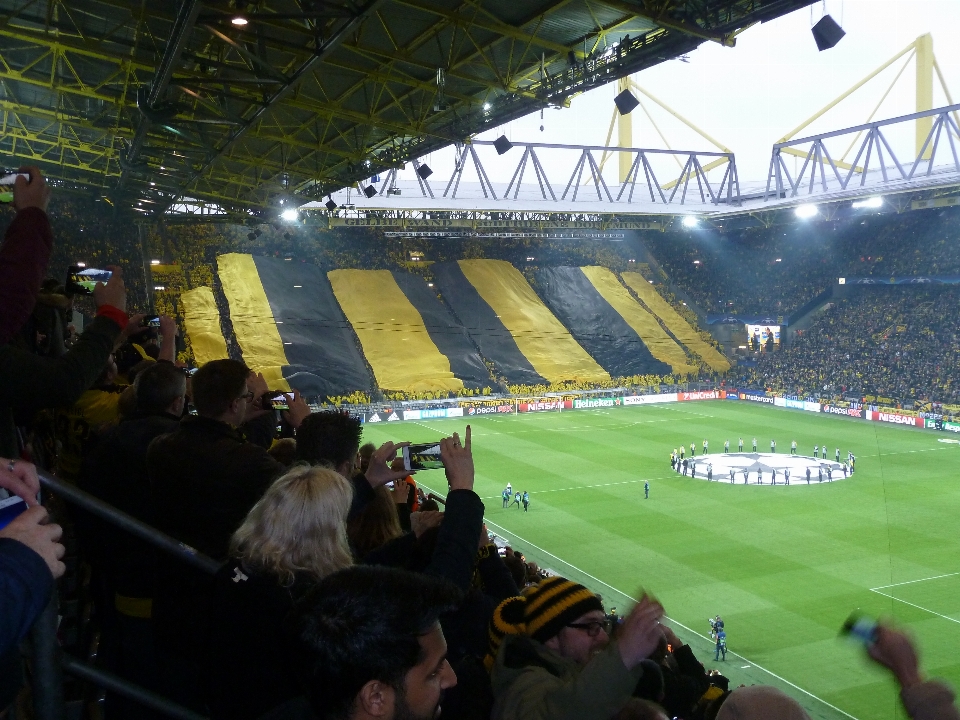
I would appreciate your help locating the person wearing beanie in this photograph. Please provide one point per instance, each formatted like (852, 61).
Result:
(551, 657)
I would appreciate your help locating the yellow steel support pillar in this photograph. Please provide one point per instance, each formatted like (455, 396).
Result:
(624, 133)
(925, 61)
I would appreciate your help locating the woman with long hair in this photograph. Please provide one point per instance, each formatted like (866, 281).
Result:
(292, 538)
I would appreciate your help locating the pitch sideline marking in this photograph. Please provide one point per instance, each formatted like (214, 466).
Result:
(918, 607)
(909, 582)
(675, 622)
(587, 487)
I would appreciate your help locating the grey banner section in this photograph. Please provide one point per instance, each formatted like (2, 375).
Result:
(447, 334)
(323, 351)
(595, 324)
(481, 322)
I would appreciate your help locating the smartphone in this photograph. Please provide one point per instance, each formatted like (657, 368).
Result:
(281, 400)
(82, 280)
(9, 509)
(8, 176)
(425, 456)
(152, 321)
(192, 371)
(860, 627)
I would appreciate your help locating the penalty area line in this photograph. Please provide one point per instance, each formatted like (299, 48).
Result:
(918, 607)
(675, 622)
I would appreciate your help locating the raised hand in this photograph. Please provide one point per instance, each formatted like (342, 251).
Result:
(457, 461)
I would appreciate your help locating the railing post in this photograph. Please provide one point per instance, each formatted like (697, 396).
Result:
(48, 702)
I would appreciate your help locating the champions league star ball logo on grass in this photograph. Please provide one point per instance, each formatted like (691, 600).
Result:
(765, 469)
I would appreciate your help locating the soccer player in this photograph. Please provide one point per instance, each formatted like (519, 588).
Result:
(793, 447)
(706, 446)
(726, 446)
(526, 500)
(506, 497)
(808, 475)
(709, 472)
(816, 451)
(844, 469)
(510, 487)
(684, 468)
(745, 475)
(759, 476)
(732, 479)
(517, 499)
(820, 473)
(693, 449)
(838, 454)
(786, 475)
(693, 468)
(829, 474)
(773, 480)
(773, 446)
(740, 446)
(681, 452)
(824, 451)
(721, 645)
(646, 489)
(754, 444)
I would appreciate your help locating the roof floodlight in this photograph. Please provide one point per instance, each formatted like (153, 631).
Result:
(239, 21)
(289, 215)
(873, 202)
(804, 212)
(690, 221)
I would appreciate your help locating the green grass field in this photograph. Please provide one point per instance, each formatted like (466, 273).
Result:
(784, 566)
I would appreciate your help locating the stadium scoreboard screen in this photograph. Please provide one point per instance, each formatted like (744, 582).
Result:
(762, 332)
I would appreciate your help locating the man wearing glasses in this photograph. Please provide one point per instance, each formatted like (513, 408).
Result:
(551, 654)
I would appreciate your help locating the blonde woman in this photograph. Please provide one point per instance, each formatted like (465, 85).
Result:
(292, 538)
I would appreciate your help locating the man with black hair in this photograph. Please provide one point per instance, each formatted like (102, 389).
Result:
(124, 567)
(332, 438)
(204, 479)
(369, 645)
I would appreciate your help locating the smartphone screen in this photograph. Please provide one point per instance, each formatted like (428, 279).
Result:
(9, 509)
(281, 401)
(8, 176)
(425, 456)
(860, 627)
(152, 321)
(82, 281)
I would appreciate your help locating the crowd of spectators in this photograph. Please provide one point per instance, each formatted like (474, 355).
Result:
(889, 341)
(776, 270)
(313, 577)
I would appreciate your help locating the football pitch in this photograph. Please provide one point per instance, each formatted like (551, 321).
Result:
(783, 566)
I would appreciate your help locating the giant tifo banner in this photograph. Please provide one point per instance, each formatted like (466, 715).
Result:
(543, 405)
(894, 418)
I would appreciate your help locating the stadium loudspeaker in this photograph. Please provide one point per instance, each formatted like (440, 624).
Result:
(502, 144)
(424, 172)
(331, 205)
(827, 33)
(369, 191)
(626, 102)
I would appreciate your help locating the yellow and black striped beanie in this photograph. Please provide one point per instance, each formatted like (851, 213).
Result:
(540, 612)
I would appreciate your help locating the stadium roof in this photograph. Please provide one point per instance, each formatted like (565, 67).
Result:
(243, 104)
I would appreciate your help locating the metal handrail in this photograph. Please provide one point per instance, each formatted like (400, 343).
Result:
(49, 661)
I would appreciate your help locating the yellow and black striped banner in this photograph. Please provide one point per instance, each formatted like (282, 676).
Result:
(202, 321)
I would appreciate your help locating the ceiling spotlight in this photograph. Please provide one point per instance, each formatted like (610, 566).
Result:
(827, 33)
(502, 145)
(154, 262)
(289, 215)
(486, 107)
(331, 205)
(873, 202)
(690, 221)
(805, 212)
(424, 171)
(239, 21)
(625, 102)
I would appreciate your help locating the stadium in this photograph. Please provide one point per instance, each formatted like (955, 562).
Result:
(350, 371)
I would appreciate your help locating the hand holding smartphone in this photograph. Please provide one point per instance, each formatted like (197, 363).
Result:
(82, 280)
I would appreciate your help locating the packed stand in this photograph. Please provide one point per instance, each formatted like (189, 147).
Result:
(309, 576)
(888, 341)
(776, 270)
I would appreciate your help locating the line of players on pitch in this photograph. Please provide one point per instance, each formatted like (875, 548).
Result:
(682, 465)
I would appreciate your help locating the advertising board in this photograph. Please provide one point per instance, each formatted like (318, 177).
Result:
(650, 399)
(847, 411)
(894, 418)
(698, 395)
(756, 398)
(543, 405)
(432, 413)
(489, 409)
(587, 403)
